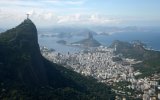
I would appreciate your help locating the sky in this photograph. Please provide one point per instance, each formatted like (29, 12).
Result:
(48, 13)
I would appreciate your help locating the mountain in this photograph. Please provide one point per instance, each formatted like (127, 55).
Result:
(110, 30)
(20, 44)
(89, 42)
(66, 31)
(63, 42)
(136, 50)
(26, 75)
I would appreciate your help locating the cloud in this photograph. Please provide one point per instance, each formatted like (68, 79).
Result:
(64, 2)
(69, 18)
(10, 18)
(76, 2)
(20, 3)
(50, 16)
(95, 18)
(43, 13)
(81, 19)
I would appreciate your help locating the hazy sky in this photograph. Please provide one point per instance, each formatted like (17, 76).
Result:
(81, 12)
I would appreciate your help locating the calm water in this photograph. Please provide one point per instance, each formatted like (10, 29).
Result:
(151, 39)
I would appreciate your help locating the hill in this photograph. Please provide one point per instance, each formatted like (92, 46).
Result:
(26, 75)
(150, 59)
(89, 42)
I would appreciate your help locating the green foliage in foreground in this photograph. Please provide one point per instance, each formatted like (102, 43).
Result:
(26, 75)
(79, 88)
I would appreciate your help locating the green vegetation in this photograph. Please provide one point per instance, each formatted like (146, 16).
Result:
(122, 86)
(150, 58)
(148, 67)
(115, 59)
(26, 75)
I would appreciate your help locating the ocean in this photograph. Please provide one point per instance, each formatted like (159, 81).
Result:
(151, 39)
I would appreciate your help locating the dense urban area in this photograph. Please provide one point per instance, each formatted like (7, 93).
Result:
(114, 70)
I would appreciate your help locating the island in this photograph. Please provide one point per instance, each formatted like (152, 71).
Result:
(88, 42)
(62, 42)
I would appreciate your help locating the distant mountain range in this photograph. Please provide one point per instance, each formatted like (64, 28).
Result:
(64, 31)
(67, 31)
(26, 75)
(114, 30)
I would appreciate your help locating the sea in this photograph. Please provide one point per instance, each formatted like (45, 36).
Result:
(152, 40)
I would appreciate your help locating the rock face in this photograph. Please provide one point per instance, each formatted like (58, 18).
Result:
(20, 53)
(89, 42)
(26, 75)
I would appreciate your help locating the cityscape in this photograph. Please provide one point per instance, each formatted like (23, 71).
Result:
(79, 50)
(100, 64)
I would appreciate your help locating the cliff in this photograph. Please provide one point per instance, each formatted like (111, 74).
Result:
(26, 75)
